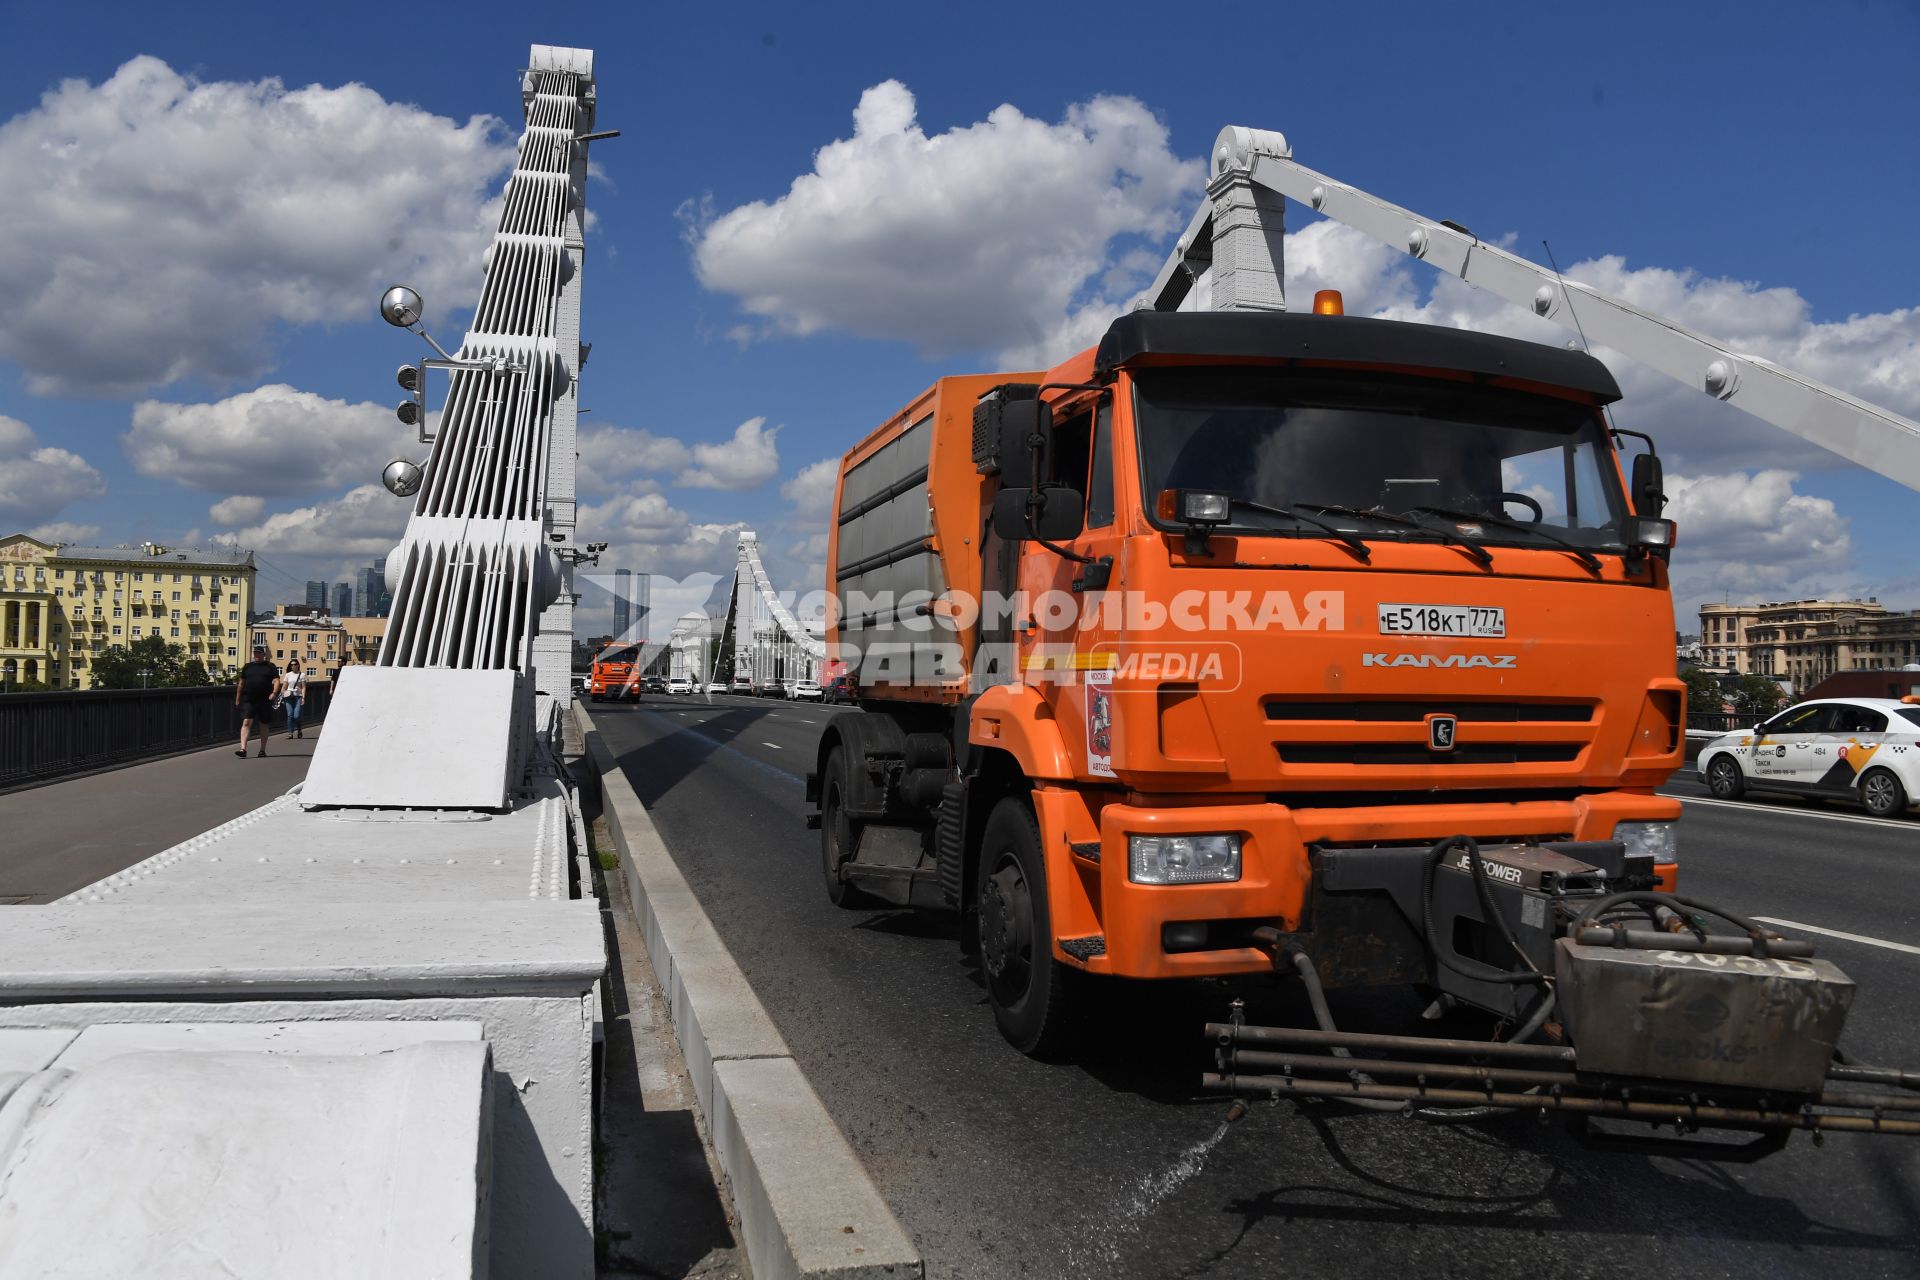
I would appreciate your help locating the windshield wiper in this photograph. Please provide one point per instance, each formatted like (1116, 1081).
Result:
(1473, 549)
(1353, 544)
(1585, 556)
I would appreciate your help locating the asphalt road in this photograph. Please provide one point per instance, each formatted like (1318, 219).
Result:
(1118, 1165)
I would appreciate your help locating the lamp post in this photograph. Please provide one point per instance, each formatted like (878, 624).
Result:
(144, 673)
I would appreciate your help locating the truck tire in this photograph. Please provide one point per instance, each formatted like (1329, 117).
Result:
(1032, 993)
(1724, 778)
(1882, 794)
(838, 835)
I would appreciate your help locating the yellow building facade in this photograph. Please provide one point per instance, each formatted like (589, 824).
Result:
(323, 647)
(61, 606)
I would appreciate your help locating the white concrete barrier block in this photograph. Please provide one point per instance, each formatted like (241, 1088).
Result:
(807, 1207)
(171, 1164)
(423, 738)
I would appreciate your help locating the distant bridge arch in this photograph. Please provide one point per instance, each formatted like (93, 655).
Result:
(762, 638)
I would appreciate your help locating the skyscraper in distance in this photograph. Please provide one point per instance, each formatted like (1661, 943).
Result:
(366, 592)
(622, 603)
(342, 600)
(317, 594)
(642, 597)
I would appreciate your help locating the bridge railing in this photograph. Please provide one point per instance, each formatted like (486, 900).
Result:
(48, 735)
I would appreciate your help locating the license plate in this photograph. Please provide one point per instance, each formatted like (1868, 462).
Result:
(1472, 622)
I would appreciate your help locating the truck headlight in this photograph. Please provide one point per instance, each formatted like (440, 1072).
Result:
(1661, 840)
(1183, 859)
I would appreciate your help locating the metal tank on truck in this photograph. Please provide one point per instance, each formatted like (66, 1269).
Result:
(1253, 642)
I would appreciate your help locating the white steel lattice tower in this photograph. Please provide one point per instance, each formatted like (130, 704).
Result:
(476, 660)
(769, 642)
(475, 582)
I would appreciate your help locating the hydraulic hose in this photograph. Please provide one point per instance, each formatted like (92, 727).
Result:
(1317, 997)
(1759, 936)
(1445, 953)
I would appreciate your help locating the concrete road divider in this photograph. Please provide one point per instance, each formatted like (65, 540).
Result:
(807, 1207)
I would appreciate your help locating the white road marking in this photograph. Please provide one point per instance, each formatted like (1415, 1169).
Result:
(1836, 933)
(774, 745)
(1896, 823)
(806, 721)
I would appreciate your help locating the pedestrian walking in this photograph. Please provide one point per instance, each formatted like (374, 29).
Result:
(293, 691)
(253, 693)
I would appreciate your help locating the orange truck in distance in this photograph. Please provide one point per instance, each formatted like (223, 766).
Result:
(614, 675)
(1339, 649)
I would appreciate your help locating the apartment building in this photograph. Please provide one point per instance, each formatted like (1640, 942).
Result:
(1805, 641)
(61, 606)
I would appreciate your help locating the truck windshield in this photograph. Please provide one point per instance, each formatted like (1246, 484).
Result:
(1370, 448)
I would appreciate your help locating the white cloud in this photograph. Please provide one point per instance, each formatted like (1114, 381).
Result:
(237, 510)
(611, 457)
(1750, 535)
(1001, 235)
(811, 489)
(622, 450)
(37, 481)
(365, 523)
(272, 440)
(66, 531)
(159, 227)
(746, 461)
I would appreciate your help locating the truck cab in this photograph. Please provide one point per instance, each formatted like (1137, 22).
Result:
(1203, 609)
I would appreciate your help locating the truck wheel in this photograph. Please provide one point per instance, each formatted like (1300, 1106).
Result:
(1724, 778)
(1031, 993)
(1882, 793)
(838, 834)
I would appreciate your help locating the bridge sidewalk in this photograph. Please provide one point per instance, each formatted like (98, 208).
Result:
(59, 837)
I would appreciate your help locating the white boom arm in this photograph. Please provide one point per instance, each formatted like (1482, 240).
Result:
(1249, 164)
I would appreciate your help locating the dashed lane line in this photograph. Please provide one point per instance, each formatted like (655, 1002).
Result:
(1836, 933)
(1896, 823)
(774, 745)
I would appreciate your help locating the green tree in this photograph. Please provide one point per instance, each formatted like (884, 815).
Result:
(1704, 695)
(1756, 697)
(165, 666)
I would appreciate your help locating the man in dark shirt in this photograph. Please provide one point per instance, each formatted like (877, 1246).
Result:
(254, 692)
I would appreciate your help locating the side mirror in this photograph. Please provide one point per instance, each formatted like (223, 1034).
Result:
(1022, 423)
(1058, 518)
(1649, 485)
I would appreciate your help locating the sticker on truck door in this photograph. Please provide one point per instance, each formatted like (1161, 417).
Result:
(1100, 722)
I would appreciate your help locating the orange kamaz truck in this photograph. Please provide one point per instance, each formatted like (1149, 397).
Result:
(615, 674)
(1338, 648)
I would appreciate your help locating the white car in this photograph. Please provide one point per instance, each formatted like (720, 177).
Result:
(679, 684)
(1865, 749)
(805, 691)
(714, 686)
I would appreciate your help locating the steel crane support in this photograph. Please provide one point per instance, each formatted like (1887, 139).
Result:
(1236, 241)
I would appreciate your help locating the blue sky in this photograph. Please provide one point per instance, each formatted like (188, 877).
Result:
(1763, 145)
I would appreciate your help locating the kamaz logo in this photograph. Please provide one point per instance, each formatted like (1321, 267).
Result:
(1503, 661)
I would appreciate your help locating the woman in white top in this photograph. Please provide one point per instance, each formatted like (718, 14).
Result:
(293, 692)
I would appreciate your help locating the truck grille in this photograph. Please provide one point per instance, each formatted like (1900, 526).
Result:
(1466, 753)
(1389, 732)
(1463, 710)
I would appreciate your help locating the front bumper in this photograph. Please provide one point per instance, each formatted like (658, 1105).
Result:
(1275, 882)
